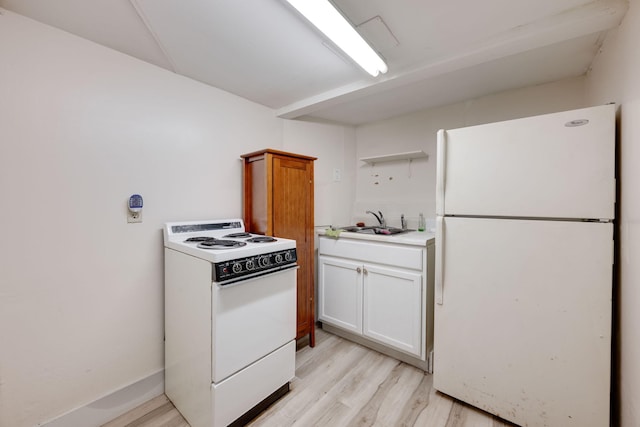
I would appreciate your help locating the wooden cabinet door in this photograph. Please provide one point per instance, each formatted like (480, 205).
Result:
(292, 218)
(340, 293)
(393, 308)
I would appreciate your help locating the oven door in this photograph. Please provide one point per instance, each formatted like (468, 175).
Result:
(251, 319)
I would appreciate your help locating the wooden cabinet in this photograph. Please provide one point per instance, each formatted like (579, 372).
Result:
(278, 201)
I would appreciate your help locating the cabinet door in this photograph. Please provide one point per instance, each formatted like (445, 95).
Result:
(292, 218)
(393, 308)
(340, 293)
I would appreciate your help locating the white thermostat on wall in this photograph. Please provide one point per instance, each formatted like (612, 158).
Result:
(135, 208)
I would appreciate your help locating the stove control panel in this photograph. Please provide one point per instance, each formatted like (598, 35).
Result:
(224, 272)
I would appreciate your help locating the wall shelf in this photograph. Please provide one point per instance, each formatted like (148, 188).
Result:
(397, 156)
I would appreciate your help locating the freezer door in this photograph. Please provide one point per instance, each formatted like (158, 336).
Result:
(523, 329)
(553, 166)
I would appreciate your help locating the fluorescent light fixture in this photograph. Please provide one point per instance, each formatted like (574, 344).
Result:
(327, 19)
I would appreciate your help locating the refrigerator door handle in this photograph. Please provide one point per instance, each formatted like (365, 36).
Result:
(440, 167)
(439, 273)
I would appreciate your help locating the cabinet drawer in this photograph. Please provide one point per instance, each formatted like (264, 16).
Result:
(388, 254)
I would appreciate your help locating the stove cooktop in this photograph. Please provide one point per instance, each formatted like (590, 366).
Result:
(224, 240)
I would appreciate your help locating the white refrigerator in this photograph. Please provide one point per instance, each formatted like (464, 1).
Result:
(524, 264)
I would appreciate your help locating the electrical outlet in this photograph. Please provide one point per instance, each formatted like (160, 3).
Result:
(337, 175)
(133, 217)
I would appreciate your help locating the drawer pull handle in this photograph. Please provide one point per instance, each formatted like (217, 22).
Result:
(365, 271)
(358, 270)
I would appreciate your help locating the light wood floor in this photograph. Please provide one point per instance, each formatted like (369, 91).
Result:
(339, 383)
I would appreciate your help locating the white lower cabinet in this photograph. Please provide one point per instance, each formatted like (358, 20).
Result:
(380, 303)
(392, 308)
(340, 293)
(379, 294)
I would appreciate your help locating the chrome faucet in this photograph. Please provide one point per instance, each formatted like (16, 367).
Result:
(380, 218)
(403, 222)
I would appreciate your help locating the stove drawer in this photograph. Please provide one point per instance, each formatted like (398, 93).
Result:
(245, 389)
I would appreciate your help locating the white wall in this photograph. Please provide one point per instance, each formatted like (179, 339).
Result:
(334, 146)
(615, 77)
(399, 187)
(83, 127)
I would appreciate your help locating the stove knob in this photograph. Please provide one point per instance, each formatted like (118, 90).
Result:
(279, 258)
(288, 256)
(250, 264)
(237, 267)
(263, 261)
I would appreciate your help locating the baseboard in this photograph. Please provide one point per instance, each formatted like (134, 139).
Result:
(112, 405)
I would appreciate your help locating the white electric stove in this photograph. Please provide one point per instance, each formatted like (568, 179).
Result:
(230, 320)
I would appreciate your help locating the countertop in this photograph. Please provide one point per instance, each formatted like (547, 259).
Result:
(414, 238)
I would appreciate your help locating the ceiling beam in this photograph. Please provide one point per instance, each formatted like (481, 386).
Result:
(595, 17)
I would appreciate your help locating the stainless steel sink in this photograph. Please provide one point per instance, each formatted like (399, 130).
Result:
(354, 228)
(375, 230)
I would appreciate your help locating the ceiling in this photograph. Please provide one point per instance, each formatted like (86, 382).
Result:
(438, 52)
